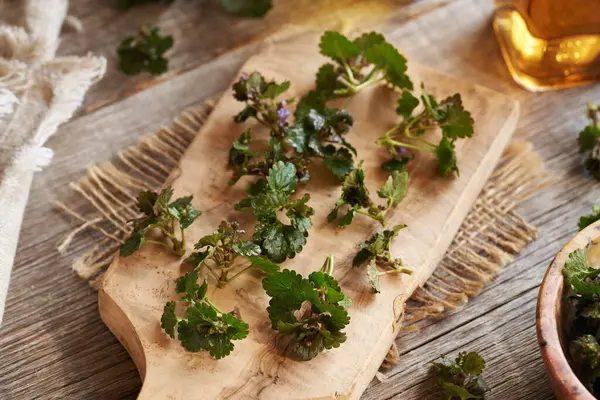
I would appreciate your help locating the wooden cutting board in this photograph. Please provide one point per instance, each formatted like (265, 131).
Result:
(135, 289)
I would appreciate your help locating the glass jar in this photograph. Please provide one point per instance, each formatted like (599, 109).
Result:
(549, 44)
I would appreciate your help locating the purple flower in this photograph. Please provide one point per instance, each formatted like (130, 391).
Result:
(243, 76)
(402, 152)
(283, 114)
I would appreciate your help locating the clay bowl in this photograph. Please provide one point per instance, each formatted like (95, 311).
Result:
(551, 320)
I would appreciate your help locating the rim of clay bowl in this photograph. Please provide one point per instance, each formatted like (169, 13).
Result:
(565, 383)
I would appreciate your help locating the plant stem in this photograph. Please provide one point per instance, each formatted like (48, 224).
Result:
(399, 271)
(395, 143)
(365, 84)
(157, 242)
(212, 305)
(328, 265)
(377, 217)
(238, 274)
(350, 75)
(212, 271)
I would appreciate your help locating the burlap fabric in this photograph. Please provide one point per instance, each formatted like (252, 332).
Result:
(37, 94)
(491, 235)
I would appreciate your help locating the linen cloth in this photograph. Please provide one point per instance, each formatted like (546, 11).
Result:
(37, 94)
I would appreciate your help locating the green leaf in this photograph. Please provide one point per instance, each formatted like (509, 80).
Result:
(181, 203)
(455, 391)
(326, 83)
(313, 100)
(144, 52)
(205, 329)
(247, 249)
(585, 358)
(406, 104)
(576, 271)
(198, 257)
(471, 363)
(268, 203)
(132, 244)
(162, 201)
(340, 164)
(263, 264)
(361, 257)
(347, 218)
(395, 164)
(373, 275)
(386, 57)
(447, 157)
(338, 47)
(241, 117)
(188, 284)
(462, 377)
(591, 311)
(354, 190)
(290, 286)
(247, 8)
(369, 40)
(318, 326)
(458, 122)
(238, 329)
(588, 138)
(587, 220)
(395, 188)
(188, 217)
(275, 89)
(282, 242)
(345, 302)
(168, 320)
(300, 213)
(146, 200)
(296, 136)
(282, 177)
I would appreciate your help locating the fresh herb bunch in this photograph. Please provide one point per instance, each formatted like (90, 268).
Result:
(317, 132)
(584, 284)
(585, 354)
(583, 280)
(278, 241)
(589, 141)
(131, 3)
(220, 250)
(247, 8)
(263, 103)
(406, 137)
(587, 220)
(204, 327)
(145, 52)
(461, 378)
(162, 214)
(355, 195)
(364, 61)
(312, 312)
(377, 253)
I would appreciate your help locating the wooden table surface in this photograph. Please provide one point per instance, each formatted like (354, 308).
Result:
(53, 344)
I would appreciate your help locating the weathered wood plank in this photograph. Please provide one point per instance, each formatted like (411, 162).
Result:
(53, 344)
(201, 31)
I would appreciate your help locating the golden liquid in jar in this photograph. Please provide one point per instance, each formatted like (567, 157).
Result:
(549, 44)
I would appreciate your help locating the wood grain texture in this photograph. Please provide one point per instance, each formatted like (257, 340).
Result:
(201, 30)
(135, 289)
(53, 344)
